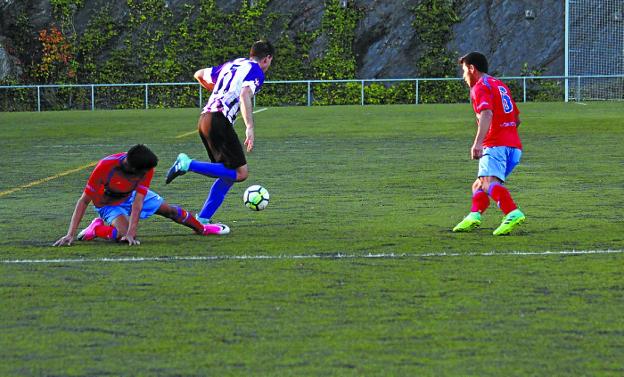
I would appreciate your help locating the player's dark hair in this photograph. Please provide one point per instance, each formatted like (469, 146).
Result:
(261, 49)
(477, 59)
(141, 157)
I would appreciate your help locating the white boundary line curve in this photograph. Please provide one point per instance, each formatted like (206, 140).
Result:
(209, 258)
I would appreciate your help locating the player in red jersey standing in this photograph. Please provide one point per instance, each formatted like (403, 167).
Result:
(496, 145)
(119, 190)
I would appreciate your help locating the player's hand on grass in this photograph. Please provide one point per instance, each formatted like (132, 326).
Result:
(65, 240)
(249, 139)
(130, 240)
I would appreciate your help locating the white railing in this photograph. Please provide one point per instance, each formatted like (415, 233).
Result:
(580, 88)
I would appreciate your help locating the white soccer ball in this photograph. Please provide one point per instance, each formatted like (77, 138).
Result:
(256, 198)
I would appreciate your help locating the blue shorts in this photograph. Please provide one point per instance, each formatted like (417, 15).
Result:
(498, 162)
(151, 203)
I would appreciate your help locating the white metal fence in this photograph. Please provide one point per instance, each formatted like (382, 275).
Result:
(301, 92)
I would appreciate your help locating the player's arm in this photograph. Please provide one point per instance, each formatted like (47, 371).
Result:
(203, 77)
(246, 107)
(483, 126)
(137, 206)
(79, 211)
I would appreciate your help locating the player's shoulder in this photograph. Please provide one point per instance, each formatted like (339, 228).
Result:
(116, 156)
(494, 81)
(482, 86)
(112, 160)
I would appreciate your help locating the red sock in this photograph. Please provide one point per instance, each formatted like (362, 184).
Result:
(186, 218)
(106, 231)
(502, 197)
(480, 201)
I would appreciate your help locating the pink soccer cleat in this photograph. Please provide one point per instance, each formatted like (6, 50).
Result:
(88, 233)
(218, 228)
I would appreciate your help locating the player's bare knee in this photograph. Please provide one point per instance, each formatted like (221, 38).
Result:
(485, 185)
(241, 176)
(476, 185)
(242, 173)
(166, 210)
(487, 182)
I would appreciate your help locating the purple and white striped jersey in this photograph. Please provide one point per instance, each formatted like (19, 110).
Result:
(229, 79)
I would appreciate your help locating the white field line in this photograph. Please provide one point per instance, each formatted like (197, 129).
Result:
(209, 258)
(194, 132)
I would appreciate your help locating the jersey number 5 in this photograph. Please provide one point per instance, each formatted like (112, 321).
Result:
(506, 99)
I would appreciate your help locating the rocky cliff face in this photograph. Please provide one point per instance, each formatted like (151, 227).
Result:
(510, 32)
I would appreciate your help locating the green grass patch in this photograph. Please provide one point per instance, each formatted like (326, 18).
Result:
(351, 180)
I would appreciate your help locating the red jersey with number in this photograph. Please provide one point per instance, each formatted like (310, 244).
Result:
(110, 185)
(489, 93)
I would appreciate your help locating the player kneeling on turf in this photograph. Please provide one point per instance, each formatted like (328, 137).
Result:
(119, 190)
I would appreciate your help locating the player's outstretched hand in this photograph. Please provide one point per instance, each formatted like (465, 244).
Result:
(65, 240)
(130, 240)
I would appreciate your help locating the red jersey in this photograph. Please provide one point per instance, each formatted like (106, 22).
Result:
(489, 93)
(110, 185)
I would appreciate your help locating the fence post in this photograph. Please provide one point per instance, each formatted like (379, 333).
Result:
(146, 97)
(417, 84)
(309, 93)
(362, 94)
(38, 98)
(92, 97)
(524, 89)
(578, 89)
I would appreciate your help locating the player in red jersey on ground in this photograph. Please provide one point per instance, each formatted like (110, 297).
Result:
(119, 190)
(496, 145)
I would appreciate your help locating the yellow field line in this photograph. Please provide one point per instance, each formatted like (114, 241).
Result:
(194, 132)
(186, 134)
(43, 180)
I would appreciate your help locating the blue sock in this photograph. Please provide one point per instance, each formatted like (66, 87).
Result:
(217, 194)
(211, 169)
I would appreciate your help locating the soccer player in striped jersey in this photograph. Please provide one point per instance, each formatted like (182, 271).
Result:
(119, 190)
(233, 86)
(496, 145)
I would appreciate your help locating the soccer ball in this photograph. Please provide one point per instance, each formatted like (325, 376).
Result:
(256, 198)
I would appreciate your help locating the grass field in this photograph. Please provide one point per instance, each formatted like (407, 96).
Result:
(351, 270)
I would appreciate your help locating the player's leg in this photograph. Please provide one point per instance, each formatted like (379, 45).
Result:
(217, 195)
(225, 147)
(118, 216)
(212, 138)
(502, 162)
(496, 189)
(186, 218)
(480, 202)
(99, 228)
(513, 215)
(121, 224)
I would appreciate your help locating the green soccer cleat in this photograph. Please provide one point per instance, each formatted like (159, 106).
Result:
(510, 221)
(179, 167)
(473, 220)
